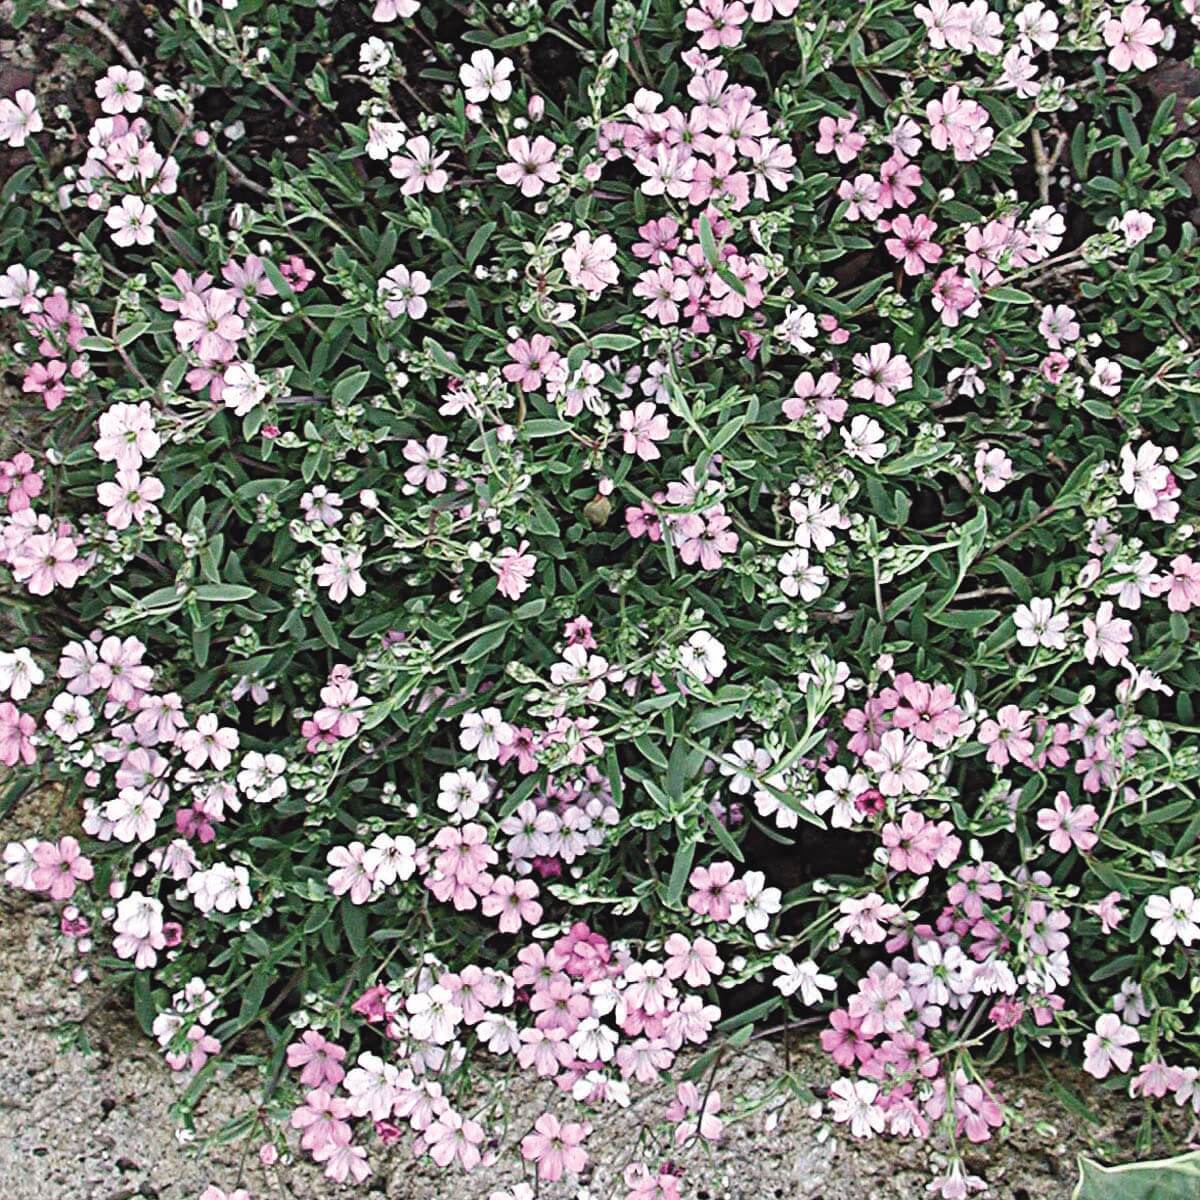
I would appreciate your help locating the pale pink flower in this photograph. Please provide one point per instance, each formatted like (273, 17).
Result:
(60, 867)
(514, 569)
(556, 1148)
(131, 222)
(1069, 826)
(881, 375)
(419, 167)
(1130, 37)
(531, 166)
(1106, 1049)
(19, 118)
(403, 292)
(589, 263)
(642, 427)
(129, 498)
(1106, 636)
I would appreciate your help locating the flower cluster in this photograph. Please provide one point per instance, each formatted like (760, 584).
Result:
(554, 548)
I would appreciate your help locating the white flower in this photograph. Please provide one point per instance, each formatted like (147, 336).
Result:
(433, 1017)
(373, 55)
(796, 328)
(1038, 625)
(703, 657)
(134, 814)
(864, 439)
(852, 1101)
(261, 777)
(1106, 377)
(1176, 915)
(131, 221)
(760, 905)
(461, 792)
(221, 887)
(389, 859)
(243, 389)
(800, 577)
(485, 732)
(804, 978)
(19, 674)
(742, 762)
(1142, 475)
(484, 77)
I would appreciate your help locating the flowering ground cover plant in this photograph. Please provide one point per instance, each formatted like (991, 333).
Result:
(570, 536)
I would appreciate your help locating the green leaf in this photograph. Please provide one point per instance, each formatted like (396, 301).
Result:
(224, 593)
(1164, 1179)
(348, 387)
(484, 644)
(615, 341)
(1009, 295)
(708, 243)
(680, 870)
(479, 239)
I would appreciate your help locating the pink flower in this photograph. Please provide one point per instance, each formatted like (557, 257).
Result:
(1068, 826)
(320, 1059)
(1106, 1050)
(917, 844)
(451, 1137)
(705, 538)
(643, 426)
(514, 902)
(59, 867)
(556, 1148)
(419, 168)
(428, 469)
(531, 166)
(46, 561)
(880, 1004)
(959, 124)
(46, 380)
(514, 569)
(718, 23)
(912, 243)
(589, 263)
(837, 136)
(533, 360)
(844, 1042)
(19, 482)
(1130, 36)
(665, 291)
(881, 375)
(715, 891)
(1182, 585)
(693, 1115)
(1007, 736)
(322, 1118)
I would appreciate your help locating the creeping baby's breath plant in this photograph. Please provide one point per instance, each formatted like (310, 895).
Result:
(564, 535)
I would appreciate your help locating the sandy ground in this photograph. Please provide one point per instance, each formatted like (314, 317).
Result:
(91, 1121)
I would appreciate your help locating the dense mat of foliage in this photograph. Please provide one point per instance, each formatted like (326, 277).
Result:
(574, 532)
